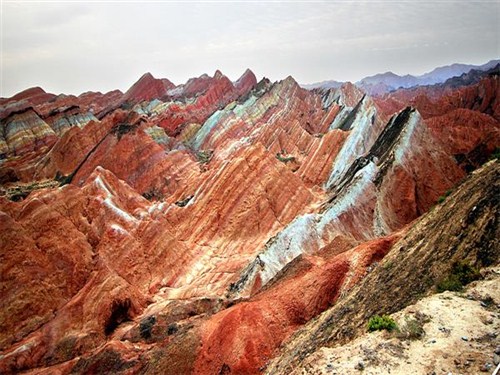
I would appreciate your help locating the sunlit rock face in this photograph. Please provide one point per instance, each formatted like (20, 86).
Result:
(195, 228)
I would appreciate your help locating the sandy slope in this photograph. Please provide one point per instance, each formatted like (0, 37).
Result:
(461, 336)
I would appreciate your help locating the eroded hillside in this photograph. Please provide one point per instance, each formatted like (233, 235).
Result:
(229, 227)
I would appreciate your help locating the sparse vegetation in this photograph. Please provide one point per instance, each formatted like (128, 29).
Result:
(461, 274)
(442, 198)
(20, 191)
(172, 328)
(379, 323)
(122, 129)
(184, 202)
(413, 328)
(388, 265)
(204, 156)
(153, 194)
(284, 159)
(146, 326)
(495, 154)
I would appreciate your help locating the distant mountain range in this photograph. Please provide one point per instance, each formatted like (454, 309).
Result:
(389, 81)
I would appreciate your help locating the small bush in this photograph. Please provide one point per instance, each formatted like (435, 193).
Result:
(450, 283)
(184, 202)
(146, 326)
(204, 156)
(461, 274)
(284, 159)
(413, 328)
(495, 154)
(442, 198)
(153, 194)
(123, 128)
(172, 328)
(379, 323)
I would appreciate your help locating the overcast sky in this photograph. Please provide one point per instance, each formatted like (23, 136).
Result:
(73, 47)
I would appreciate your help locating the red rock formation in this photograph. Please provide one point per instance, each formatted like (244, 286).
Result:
(246, 82)
(74, 146)
(24, 132)
(207, 222)
(438, 100)
(147, 88)
(243, 338)
(136, 158)
(470, 136)
(466, 120)
(33, 95)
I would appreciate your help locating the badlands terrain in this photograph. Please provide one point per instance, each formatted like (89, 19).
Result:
(220, 227)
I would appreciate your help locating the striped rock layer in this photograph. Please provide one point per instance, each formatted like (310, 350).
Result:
(197, 227)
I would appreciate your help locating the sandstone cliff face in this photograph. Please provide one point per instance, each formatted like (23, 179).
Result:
(197, 227)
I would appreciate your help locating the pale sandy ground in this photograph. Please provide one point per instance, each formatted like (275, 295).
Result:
(461, 337)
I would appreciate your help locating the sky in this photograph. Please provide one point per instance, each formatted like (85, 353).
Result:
(77, 46)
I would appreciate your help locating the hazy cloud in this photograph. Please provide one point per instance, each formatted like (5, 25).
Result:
(78, 46)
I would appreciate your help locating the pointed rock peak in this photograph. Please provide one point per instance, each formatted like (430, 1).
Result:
(218, 74)
(350, 94)
(147, 77)
(248, 75)
(147, 88)
(289, 82)
(246, 82)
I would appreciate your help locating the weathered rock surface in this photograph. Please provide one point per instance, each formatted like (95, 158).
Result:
(147, 88)
(195, 229)
(436, 325)
(438, 100)
(464, 227)
(24, 132)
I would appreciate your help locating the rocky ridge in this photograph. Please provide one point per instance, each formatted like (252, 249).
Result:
(215, 225)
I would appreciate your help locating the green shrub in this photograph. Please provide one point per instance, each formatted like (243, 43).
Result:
(184, 202)
(379, 323)
(172, 328)
(442, 198)
(284, 159)
(204, 156)
(413, 328)
(153, 194)
(495, 154)
(461, 274)
(450, 283)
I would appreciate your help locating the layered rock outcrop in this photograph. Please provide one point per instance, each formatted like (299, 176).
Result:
(147, 88)
(196, 228)
(24, 132)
